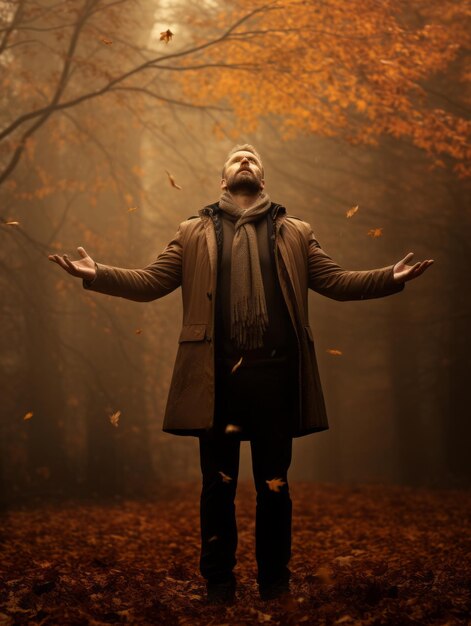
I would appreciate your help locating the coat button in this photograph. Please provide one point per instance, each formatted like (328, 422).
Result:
(209, 294)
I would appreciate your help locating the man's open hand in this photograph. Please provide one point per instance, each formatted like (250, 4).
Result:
(404, 272)
(83, 268)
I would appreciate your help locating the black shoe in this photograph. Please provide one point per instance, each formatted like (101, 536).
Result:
(221, 592)
(271, 591)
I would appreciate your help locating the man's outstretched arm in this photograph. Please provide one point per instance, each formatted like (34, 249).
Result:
(153, 281)
(329, 279)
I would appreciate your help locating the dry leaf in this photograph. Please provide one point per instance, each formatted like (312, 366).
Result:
(28, 415)
(375, 232)
(232, 428)
(275, 484)
(237, 365)
(342, 620)
(213, 538)
(11, 223)
(132, 208)
(351, 212)
(166, 35)
(343, 560)
(324, 575)
(225, 477)
(114, 419)
(138, 331)
(172, 180)
(106, 41)
(334, 352)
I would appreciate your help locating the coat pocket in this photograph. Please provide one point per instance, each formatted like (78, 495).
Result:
(192, 332)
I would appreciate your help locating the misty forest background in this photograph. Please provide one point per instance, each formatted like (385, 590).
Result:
(104, 103)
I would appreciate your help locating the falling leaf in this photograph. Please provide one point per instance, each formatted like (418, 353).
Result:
(166, 35)
(334, 352)
(106, 41)
(351, 212)
(172, 180)
(11, 223)
(237, 365)
(275, 484)
(342, 620)
(225, 478)
(375, 232)
(114, 419)
(132, 208)
(232, 428)
(28, 415)
(213, 538)
(138, 331)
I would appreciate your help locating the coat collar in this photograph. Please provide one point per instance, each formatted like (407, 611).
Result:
(276, 210)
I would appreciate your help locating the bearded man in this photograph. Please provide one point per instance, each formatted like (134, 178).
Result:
(246, 366)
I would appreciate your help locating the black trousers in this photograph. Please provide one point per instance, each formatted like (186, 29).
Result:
(261, 399)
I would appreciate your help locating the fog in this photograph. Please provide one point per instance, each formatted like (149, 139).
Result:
(95, 175)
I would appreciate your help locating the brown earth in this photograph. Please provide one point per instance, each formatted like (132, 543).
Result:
(369, 555)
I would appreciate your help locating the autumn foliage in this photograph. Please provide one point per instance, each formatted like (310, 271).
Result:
(361, 556)
(355, 71)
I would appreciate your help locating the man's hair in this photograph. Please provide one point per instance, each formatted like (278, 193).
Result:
(247, 147)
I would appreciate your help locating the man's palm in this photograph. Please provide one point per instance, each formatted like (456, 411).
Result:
(83, 268)
(404, 272)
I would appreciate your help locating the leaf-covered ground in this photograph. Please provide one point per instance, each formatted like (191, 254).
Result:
(361, 555)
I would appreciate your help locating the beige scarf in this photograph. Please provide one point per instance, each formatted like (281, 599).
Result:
(249, 317)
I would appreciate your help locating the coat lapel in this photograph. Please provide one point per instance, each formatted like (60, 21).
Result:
(211, 242)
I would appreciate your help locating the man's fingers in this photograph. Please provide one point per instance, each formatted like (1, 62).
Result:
(57, 259)
(82, 252)
(407, 258)
(69, 263)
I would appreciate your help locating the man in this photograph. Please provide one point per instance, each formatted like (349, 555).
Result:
(246, 366)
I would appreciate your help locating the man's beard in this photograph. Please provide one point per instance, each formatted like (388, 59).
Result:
(248, 184)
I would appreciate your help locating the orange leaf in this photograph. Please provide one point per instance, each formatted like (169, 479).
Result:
(114, 419)
(225, 478)
(237, 365)
(108, 42)
(138, 331)
(334, 352)
(232, 428)
(166, 35)
(132, 208)
(324, 575)
(375, 232)
(28, 415)
(275, 484)
(351, 212)
(11, 223)
(172, 180)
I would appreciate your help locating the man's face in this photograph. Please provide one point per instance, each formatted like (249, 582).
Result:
(243, 172)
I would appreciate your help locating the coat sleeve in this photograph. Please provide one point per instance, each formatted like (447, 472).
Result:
(153, 281)
(329, 279)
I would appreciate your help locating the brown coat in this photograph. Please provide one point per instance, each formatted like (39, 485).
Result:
(190, 261)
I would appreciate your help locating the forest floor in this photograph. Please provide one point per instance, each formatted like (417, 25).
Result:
(366, 555)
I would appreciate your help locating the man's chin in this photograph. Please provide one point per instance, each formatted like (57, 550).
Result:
(245, 185)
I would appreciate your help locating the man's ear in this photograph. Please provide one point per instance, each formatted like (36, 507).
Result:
(262, 183)
(223, 183)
